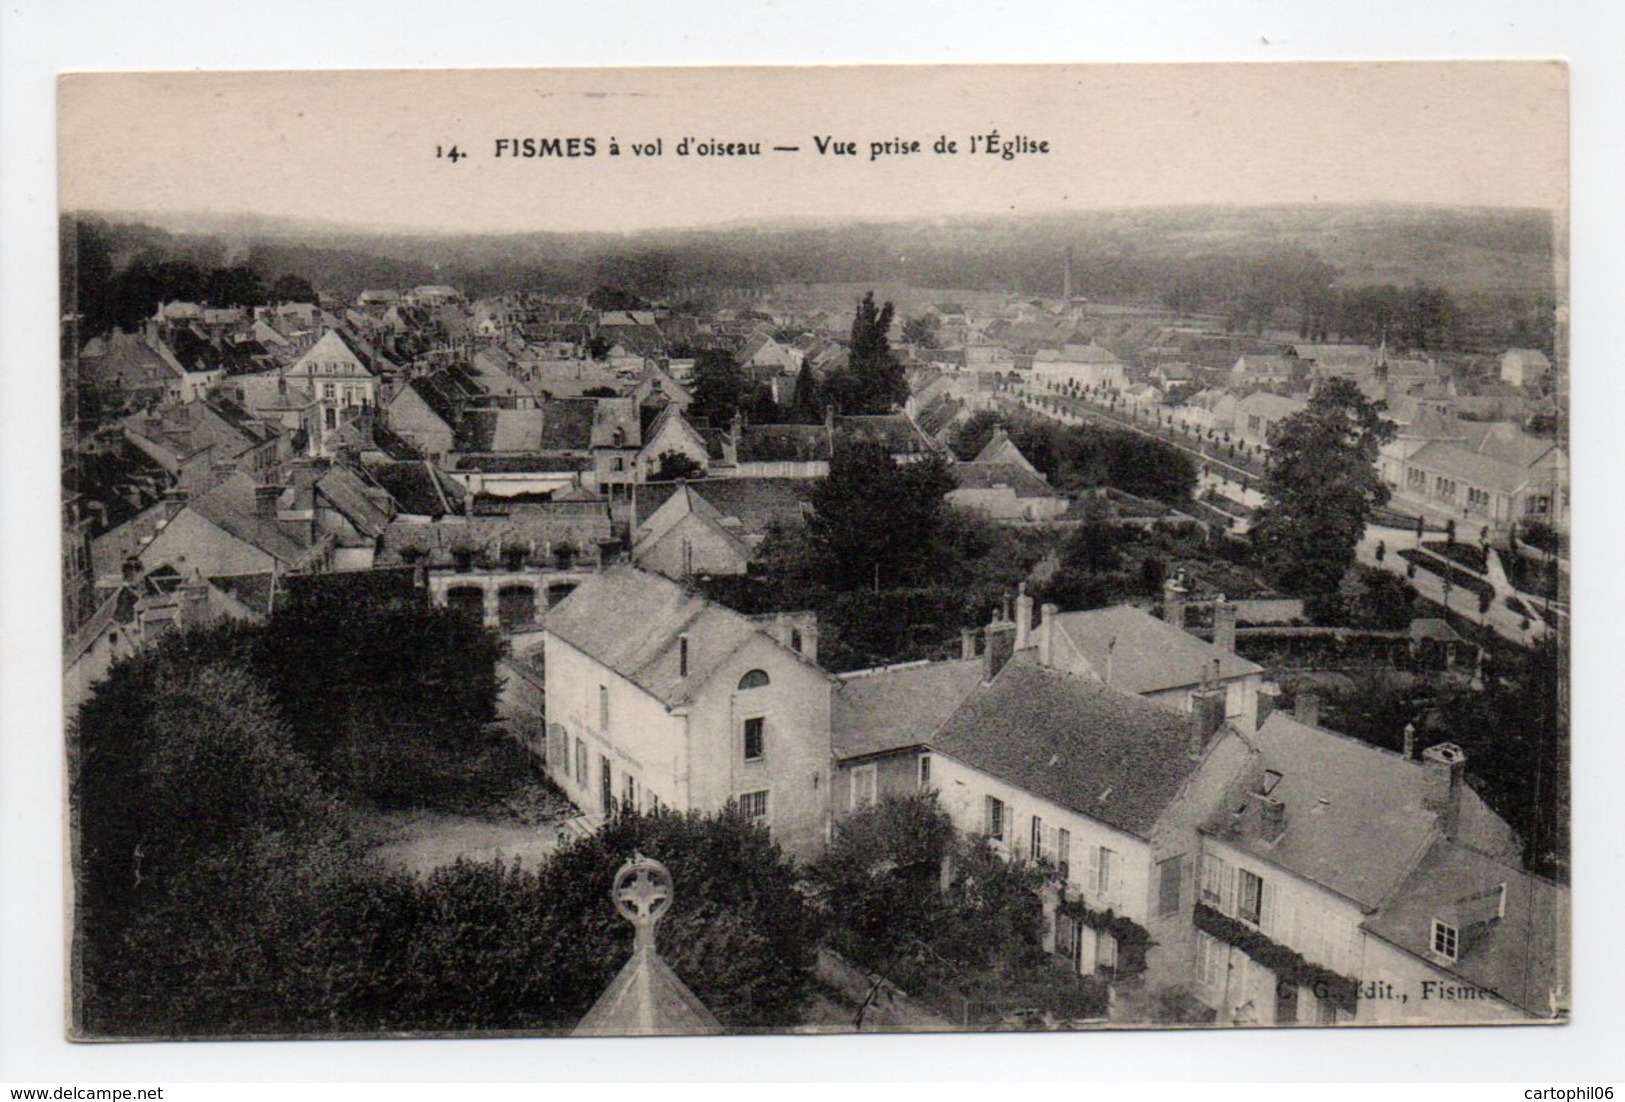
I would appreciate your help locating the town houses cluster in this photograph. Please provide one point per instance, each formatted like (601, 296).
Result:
(511, 457)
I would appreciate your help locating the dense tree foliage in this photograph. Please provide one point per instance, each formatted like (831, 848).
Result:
(908, 897)
(875, 520)
(1320, 491)
(872, 381)
(1083, 457)
(671, 466)
(720, 390)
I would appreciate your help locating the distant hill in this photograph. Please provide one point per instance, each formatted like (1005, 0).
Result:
(1496, 264)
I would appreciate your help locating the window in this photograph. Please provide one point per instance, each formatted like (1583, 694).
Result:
(865, 786)
(581, 763)
(1210, 960)
(1036, 840)
(795, 640)
(629, 791)
(755, 679)
(1446, 941)
(1478, 501)
(330, 391)
(1170, 882)
(1250, 897)
(755, 738)
(995, 819)
(1063, 853)
(682, 656)
(1538, 505)
(925, 771)
(603, 707)
(1416, 479)
(1215, 873)
(1104, 862)
(754, 805)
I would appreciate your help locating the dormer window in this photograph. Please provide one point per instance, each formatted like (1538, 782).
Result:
(755, 679)
(1446, 939)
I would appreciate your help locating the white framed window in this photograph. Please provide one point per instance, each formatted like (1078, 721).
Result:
(754, 805)
(1249, 897)
(1036, 839)
(1063, 853)
(865, 787)
(629, 791)
(1215, 881)
(925, 771)
(1210, 954)
(1446, 939)
(995, 813)
(603, 707)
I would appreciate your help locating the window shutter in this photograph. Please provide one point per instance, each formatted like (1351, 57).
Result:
(1227, 888)
(1094, 869)
(1266, 907)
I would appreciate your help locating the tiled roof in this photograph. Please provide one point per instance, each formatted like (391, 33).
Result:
(987, 476)
(884, 710)
(418, 488)
(893, 431)
(757, 504)
(1477, 471)
(783, 443)
(630, 621)
(1144, 654)
(1072, 741)
(231, 506)
(1273, 406)
(349, 495)
(252, 591)
(1354, 816)
(1521, 955)
(685, 502)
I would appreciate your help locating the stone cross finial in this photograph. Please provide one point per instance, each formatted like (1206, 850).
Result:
(642, 894)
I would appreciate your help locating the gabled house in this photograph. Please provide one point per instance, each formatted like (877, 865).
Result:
(1524, 366)
(670, 433)
(1257, 413)
(686, 537)
(1004, 485)
(1314, 843)
(335, 374)
(1135, 652)
(657, 697)
(1103, 788)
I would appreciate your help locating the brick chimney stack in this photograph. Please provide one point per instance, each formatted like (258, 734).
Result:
(1446, 767)
(1173, 602)
(1024, 618)
(1046, 635)
(1306, 709)
(1224, 626)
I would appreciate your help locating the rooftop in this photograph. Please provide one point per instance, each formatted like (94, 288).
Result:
(881, 710)
(1142, 653)
(1075, 742)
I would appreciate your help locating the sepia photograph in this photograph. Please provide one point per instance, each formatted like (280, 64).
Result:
(877, 549)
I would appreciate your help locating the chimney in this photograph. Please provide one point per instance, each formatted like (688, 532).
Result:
(1307, 709)
(809, 638)
(1224, 626)
(1271, 817)
(967, 643)
(1173, 601)
(1410, 742)
(265, 501)
(1444, 766)
(1046, 635)
(1207, 716)
(1269, 699)
(1024, 618)
(1001, 644)
(829, 418)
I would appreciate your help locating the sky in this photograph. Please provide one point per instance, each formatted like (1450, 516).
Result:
(359, 148)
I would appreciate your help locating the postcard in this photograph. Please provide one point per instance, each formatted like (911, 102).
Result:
(633, 552)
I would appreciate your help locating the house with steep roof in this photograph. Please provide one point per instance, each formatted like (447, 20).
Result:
(1451, 480)
(1316, 841)
(336, 375)
(1002, 484)
(1102, 787)
(657, 697)
(686, 537)
(201, 441)
(1136, 652)
(670, 433)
